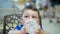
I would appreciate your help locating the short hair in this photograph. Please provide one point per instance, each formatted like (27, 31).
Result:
(32, 8)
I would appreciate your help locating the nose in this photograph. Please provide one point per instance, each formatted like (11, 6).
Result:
(30, 17)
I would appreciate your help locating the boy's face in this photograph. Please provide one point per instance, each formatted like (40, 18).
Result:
(30, 14)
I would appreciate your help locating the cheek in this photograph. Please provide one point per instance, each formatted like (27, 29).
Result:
(25, 21)
(37, 20)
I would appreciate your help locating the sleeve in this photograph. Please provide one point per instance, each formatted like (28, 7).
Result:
(18, 27)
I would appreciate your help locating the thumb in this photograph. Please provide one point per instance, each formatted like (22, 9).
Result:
(23, 30)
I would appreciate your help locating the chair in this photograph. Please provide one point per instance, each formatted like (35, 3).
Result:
(10, 21)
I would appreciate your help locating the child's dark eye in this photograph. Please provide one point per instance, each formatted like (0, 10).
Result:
(26, 16)
(34, 17)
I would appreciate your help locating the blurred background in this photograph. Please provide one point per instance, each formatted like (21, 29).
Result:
(11, 10)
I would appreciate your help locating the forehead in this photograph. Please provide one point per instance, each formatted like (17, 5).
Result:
(29, 11)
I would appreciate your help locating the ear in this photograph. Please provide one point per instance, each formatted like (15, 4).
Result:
(39, 19)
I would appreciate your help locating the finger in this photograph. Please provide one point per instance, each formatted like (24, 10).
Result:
(23, 31)
(24, 28)
(38, 31)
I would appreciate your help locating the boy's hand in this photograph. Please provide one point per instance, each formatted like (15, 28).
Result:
(14, 32)
(38, 31)
(23, 31)
(41, 32)
(17, 31)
